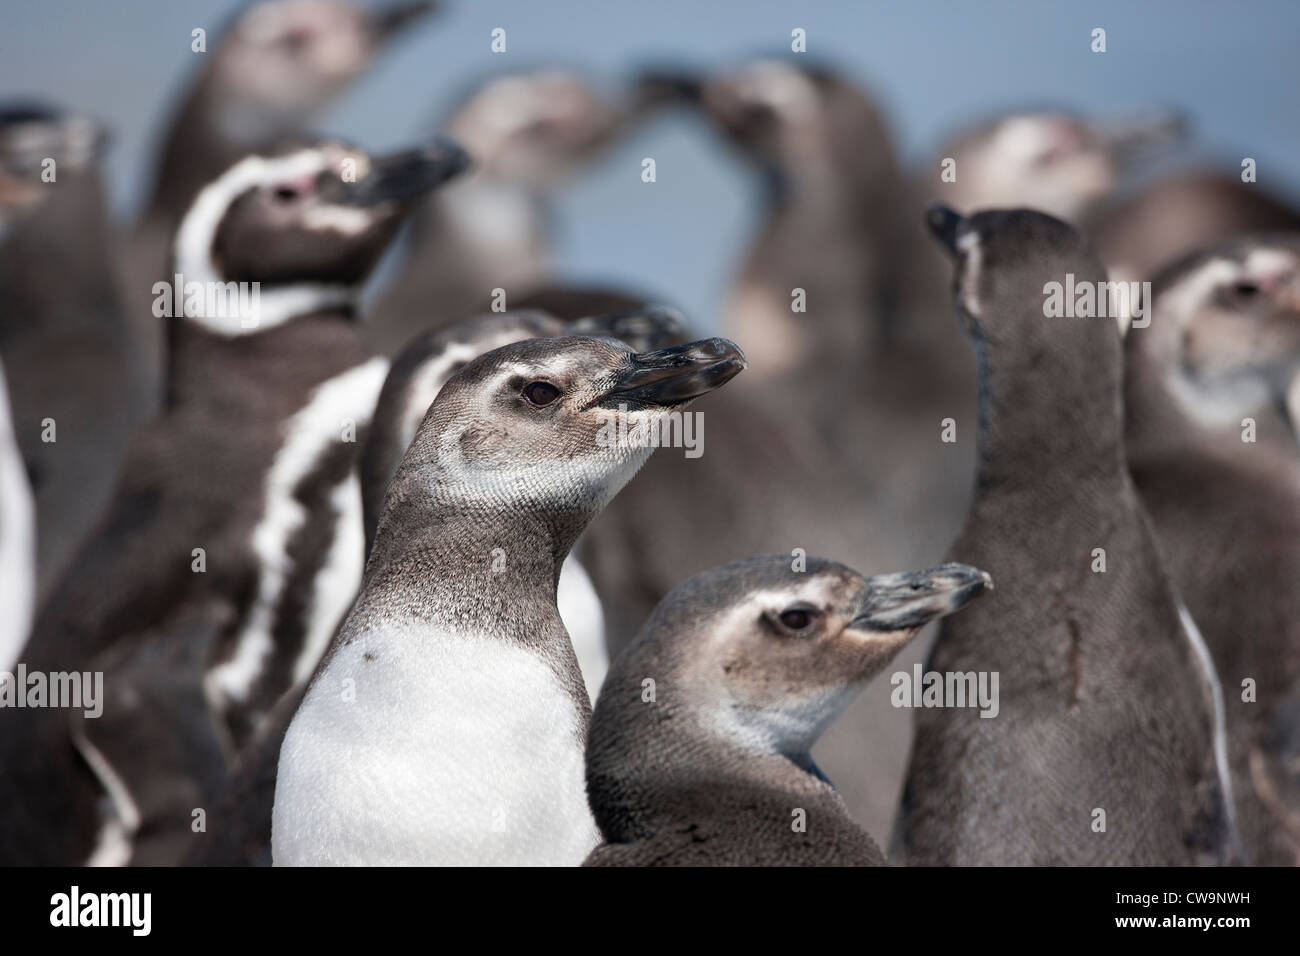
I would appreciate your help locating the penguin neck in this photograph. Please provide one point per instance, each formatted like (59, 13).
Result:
(240, 371)
(643, 774)
(482, 227)
(1050, 400)
(1169, 414)
(502, 556)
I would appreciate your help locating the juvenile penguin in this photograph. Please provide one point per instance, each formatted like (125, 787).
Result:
(233, 544)
(447, 723)
(1105, 746)
(699, 751)
(275, 66)
(73, 382)
(527, 131)
(1218, 468)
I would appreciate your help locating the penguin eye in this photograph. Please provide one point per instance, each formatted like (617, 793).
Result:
(797, 618)
(1243, 292)
(540, 394)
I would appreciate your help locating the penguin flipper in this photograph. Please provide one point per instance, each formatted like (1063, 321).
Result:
(156, 747)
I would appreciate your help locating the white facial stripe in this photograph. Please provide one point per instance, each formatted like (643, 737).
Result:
(780, 86)
(17, 541)
(1213, 404)
(969, 246)
(1022, 138)
(197, 232)
(1184, 297)
(308, 436)
(1270, 262)
(350, 221)
(433, 376)
(198, 229)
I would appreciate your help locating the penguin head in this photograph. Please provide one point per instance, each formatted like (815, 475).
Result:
(791, 117)
(39, 147)
(1225, 326)
(1048, 160)
(534, 127)
(1004, 260)
(773, 654)
(422, 369)
(284, 58)
(317, 215)
(556, 426)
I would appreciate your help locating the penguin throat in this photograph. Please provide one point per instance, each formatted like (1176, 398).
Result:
(1062, 411)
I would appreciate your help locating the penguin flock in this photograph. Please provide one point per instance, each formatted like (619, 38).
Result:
(306, 562)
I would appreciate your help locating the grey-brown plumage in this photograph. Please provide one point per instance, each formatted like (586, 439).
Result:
(249, 463)
(269, 72)
(1105, 706)
(73, 382)
(699, 750)
(1222, 346)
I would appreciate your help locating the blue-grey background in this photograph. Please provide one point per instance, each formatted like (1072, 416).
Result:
(934, 64)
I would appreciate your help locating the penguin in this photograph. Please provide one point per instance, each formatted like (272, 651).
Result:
(447, 723)
(275, 66)
(63, 338)
(240, 828)
(1218, 469)
(1054, 161)
(847, 451)
(527, 131)
(234, 540)
(1176, 214)
(699, 750)
(17, 540)
(1105, 746)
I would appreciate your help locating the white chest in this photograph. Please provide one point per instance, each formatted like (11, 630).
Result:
(426, 749)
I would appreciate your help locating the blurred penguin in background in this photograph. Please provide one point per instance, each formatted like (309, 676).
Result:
(271, 71)
(73, 380)
(526, 132)
(1218, 468)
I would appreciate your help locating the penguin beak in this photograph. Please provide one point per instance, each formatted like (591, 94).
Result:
(406, 176)
(656, 87)
(944, 224)
(911, 599)
(652, 327)
(390, 19)
(674, 376)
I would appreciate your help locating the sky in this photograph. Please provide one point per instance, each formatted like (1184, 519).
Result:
(935, 65)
